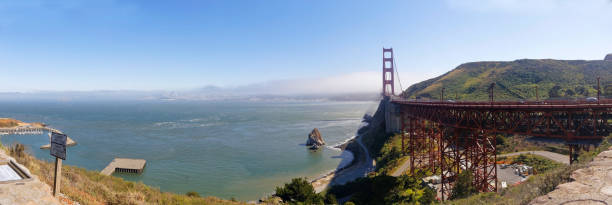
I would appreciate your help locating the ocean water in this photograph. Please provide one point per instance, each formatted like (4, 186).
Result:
(225, 149)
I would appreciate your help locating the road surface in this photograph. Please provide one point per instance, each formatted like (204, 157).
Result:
(402, 168)
(550, 155)
(364, 164)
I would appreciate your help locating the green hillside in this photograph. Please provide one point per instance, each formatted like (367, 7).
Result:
(518, 79)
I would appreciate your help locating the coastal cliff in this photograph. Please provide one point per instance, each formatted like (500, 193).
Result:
(382, 122)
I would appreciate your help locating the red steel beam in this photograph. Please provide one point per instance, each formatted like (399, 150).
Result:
(447, 137)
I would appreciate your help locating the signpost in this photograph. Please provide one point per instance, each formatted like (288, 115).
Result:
(58, 150)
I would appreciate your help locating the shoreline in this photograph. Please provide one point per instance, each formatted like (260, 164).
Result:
(343, 149)
(328, 179)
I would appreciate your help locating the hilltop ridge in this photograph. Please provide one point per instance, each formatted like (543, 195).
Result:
(518, 80)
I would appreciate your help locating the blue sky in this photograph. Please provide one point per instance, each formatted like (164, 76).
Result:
(61, 45)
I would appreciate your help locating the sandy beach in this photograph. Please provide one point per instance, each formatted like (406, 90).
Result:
(362, 164)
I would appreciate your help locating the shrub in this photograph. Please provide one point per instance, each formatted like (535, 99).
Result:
(17, 150)
(330, 199)
(192, 194)
(383, 189)
(91, 187)
(540, 164)
(298, 190)
(463, 187)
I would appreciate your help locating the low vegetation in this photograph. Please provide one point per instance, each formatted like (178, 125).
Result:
(539, 163)
(463, 187)
(536, 185)
(7, 123)
(518, 143)
(390, 156)
(300, 191)
(385, 189)
(91, 187)
(518, 80)
(379, 187)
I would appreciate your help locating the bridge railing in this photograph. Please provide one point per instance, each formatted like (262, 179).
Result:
(501, 103)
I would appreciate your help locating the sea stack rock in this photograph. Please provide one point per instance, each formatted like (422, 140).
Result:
(315, 140)
(608, 57)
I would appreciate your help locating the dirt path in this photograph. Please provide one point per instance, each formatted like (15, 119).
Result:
(402, 168)
(550, 155)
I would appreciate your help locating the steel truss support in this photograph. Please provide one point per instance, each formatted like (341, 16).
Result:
(423, 140)
(446, 137)
(468, 149)
(483, 161)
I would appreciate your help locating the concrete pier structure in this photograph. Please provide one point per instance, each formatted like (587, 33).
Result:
(125, 165)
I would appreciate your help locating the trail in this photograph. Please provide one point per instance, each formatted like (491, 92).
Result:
(550, 155)
(363, 165)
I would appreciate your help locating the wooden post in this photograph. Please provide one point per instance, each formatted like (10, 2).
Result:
(58, 176)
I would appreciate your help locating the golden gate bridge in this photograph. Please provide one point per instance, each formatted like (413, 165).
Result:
(446, 137)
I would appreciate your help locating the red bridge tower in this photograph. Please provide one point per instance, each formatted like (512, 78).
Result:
(388, 83)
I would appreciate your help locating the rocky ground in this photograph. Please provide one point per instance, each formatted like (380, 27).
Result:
(30, 191)
(591, 185)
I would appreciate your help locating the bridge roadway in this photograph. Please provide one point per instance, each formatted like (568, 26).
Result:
(447, 136)
(565, 119)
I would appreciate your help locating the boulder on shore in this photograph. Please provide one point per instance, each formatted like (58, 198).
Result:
(315, 140)
(608, 57)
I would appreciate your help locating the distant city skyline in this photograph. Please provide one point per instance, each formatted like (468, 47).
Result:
(280, 47)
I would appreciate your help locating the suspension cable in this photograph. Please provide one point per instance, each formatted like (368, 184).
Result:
(398, 77)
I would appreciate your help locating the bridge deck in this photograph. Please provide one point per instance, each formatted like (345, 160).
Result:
(556, 104)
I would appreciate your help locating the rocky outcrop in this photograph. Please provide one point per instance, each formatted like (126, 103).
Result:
(591, 185)
(608, 57)
(315, 140)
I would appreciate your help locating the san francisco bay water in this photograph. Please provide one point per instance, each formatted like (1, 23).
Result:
(225, 149)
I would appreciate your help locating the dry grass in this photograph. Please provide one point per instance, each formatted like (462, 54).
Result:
(8, 122)
(518, 143)
(91, 187)
(535, 186)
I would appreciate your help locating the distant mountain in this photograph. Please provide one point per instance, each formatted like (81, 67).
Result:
(517, 79)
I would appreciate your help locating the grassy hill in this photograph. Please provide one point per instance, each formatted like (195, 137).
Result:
(518, 79)
(91, 187)
(8, 123)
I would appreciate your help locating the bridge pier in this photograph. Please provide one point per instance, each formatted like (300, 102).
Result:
(465, 132)
(450, 150)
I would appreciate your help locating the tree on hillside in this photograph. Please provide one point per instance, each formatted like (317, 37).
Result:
(569, 93)
(330, 199)
(410, 189)
(608, 90)
(298, 190)
(554, 92)
(463, 187)
(581, 90)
